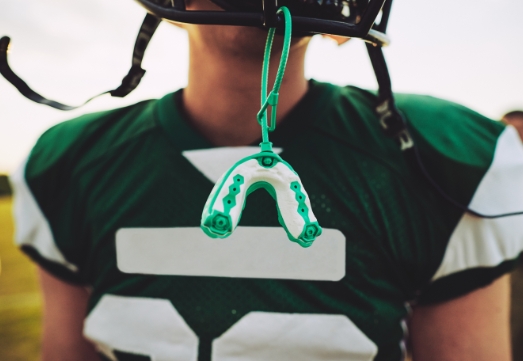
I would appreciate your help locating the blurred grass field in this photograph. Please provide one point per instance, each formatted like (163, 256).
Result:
(20, 301)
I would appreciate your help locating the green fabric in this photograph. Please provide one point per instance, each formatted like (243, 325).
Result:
(124, 168)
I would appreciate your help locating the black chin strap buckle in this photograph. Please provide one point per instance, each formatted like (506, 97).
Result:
(391, 120)
(270, 17)
(129, 82)
(393, 124)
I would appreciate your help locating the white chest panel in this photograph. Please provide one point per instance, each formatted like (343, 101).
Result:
(261, 336)
(250, 252)
(144, 326)
(153, 327)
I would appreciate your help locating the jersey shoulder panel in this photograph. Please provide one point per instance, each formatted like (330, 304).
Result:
(47, 208)
(457, 144)
(89, 136)
(451, 138)
(478, 162)
(481, 249)
(453, 130)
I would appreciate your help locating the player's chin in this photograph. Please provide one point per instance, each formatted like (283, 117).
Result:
(250, 41)
(237, 40)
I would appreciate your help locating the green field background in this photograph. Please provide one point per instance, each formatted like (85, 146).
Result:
(21, 303)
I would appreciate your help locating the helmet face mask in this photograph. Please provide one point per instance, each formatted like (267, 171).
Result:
(349, 18)
(341, 10)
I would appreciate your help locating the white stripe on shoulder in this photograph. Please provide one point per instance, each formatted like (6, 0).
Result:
(31, 227)
(478, 242)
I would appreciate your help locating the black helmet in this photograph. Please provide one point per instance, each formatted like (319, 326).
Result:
(351, 18)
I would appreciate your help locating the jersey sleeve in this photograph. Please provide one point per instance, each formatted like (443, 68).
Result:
(48, 210)
(54, 188)
(33, 231)
(479, 163)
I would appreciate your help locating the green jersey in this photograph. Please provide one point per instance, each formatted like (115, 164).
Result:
(113, 200)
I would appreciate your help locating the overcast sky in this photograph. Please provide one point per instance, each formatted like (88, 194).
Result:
(468, 51)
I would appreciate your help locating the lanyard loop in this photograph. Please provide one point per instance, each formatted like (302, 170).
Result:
(272, 98)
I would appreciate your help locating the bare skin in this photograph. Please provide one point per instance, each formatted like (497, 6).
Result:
(221, 100)
(65, 307)
(222, 97)
(517, 122)
(470, 328)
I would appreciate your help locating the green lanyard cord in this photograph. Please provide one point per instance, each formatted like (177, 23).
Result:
(272, 98)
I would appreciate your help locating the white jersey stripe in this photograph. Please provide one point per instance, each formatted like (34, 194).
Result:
(32, 228)
(478, 242)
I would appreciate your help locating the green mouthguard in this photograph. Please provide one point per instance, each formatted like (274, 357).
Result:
(266, 169)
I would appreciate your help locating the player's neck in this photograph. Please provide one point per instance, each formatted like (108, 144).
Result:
(223, 94)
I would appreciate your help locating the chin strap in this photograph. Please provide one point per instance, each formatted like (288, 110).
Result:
(391, 120)
(129, 82)
(395, 126)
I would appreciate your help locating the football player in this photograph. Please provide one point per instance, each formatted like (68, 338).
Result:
(109, 206)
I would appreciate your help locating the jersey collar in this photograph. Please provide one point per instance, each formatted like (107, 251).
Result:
(174, 122)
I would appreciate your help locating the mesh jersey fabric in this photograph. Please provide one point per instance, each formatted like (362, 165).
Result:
(131, 168)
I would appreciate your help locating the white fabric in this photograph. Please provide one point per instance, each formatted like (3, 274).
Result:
(263, 336)
(32, 228)
(216, 161)
(478, 242)
(250, 252)
(280, 177)
(154, 328)
(144, 326)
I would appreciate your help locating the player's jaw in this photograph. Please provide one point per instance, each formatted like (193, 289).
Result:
(246, 43)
